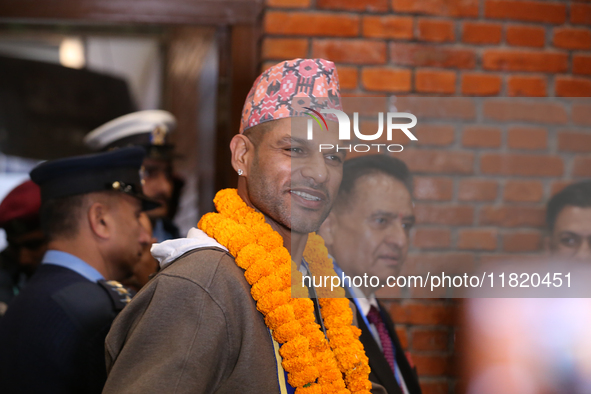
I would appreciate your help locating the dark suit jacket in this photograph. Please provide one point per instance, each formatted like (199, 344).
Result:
(52, 336)
(380, 369)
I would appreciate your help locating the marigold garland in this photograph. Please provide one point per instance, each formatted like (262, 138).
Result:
(314, 365)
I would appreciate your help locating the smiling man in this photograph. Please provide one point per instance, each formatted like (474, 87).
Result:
(220, 316)
(568, 217)
(367, 233)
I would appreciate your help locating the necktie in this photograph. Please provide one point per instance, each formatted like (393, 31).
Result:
(375, 318)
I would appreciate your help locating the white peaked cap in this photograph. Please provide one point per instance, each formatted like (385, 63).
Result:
(135, 123)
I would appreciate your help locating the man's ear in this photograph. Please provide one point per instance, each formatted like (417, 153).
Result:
(99, 220)
(326, 229)
(242, 150)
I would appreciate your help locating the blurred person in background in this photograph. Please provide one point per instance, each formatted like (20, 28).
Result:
(52, 335)
(568, 217)
(367, 233)
(19, 217)
(151, 130)
(148, 265)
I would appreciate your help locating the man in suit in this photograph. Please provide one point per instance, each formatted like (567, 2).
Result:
(367, 233)
(151, 130)
(52, 336)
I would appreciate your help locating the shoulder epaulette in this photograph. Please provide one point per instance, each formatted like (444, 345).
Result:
(120, 294)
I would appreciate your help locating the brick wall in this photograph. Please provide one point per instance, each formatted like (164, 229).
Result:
(480, 187)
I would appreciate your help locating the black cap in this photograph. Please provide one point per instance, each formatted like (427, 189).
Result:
(116, 170)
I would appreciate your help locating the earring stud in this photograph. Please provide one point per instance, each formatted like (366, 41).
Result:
(240, 172)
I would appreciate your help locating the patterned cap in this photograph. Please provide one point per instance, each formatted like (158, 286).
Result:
(291, 88)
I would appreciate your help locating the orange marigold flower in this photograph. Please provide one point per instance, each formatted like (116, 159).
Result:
(308, 374)
(248, 255)
(280, 316)
(272, 300)
(265, 285)
(287, 332)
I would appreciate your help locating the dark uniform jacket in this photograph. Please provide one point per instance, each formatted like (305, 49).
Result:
(52, 336)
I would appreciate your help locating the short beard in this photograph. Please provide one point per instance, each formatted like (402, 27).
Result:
(264, 198)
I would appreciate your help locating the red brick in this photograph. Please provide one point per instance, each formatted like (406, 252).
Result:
(519, 60)
(402, 337)
(526, 36)
(503, 258)
(457, 8)
(574, 141)
(477, 190)
(415, 312)
(429, 81)
(434, 134)
(481, 33)
(432, 365)
(479, 84)
(435, 189)
(570, 38)
(530, 11)
(430, 340)
(477, 239)
(531, 138)
(438, 262)
(526, 86)
(581, 114)
(444, 214)
(399, 27)
(481, 137)
(423, 108)
(285, 48)
(311, 24)
(558, 186)
(523, 191)
(350, 51)
(354, 5)
(582, 166)
(436, 30)
(437, 162)
(425, 55)
(525, 111)
(572, 87)
(288, 3)
(517, 216)
(437, 387)
(522, 242)
(580, 13)
(386, 79)
(525, 165)
(431, 238)
(348, 77)
(582, 64)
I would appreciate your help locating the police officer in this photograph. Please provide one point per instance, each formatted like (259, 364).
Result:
(52, 336)
(151, 130)
(19, 217)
